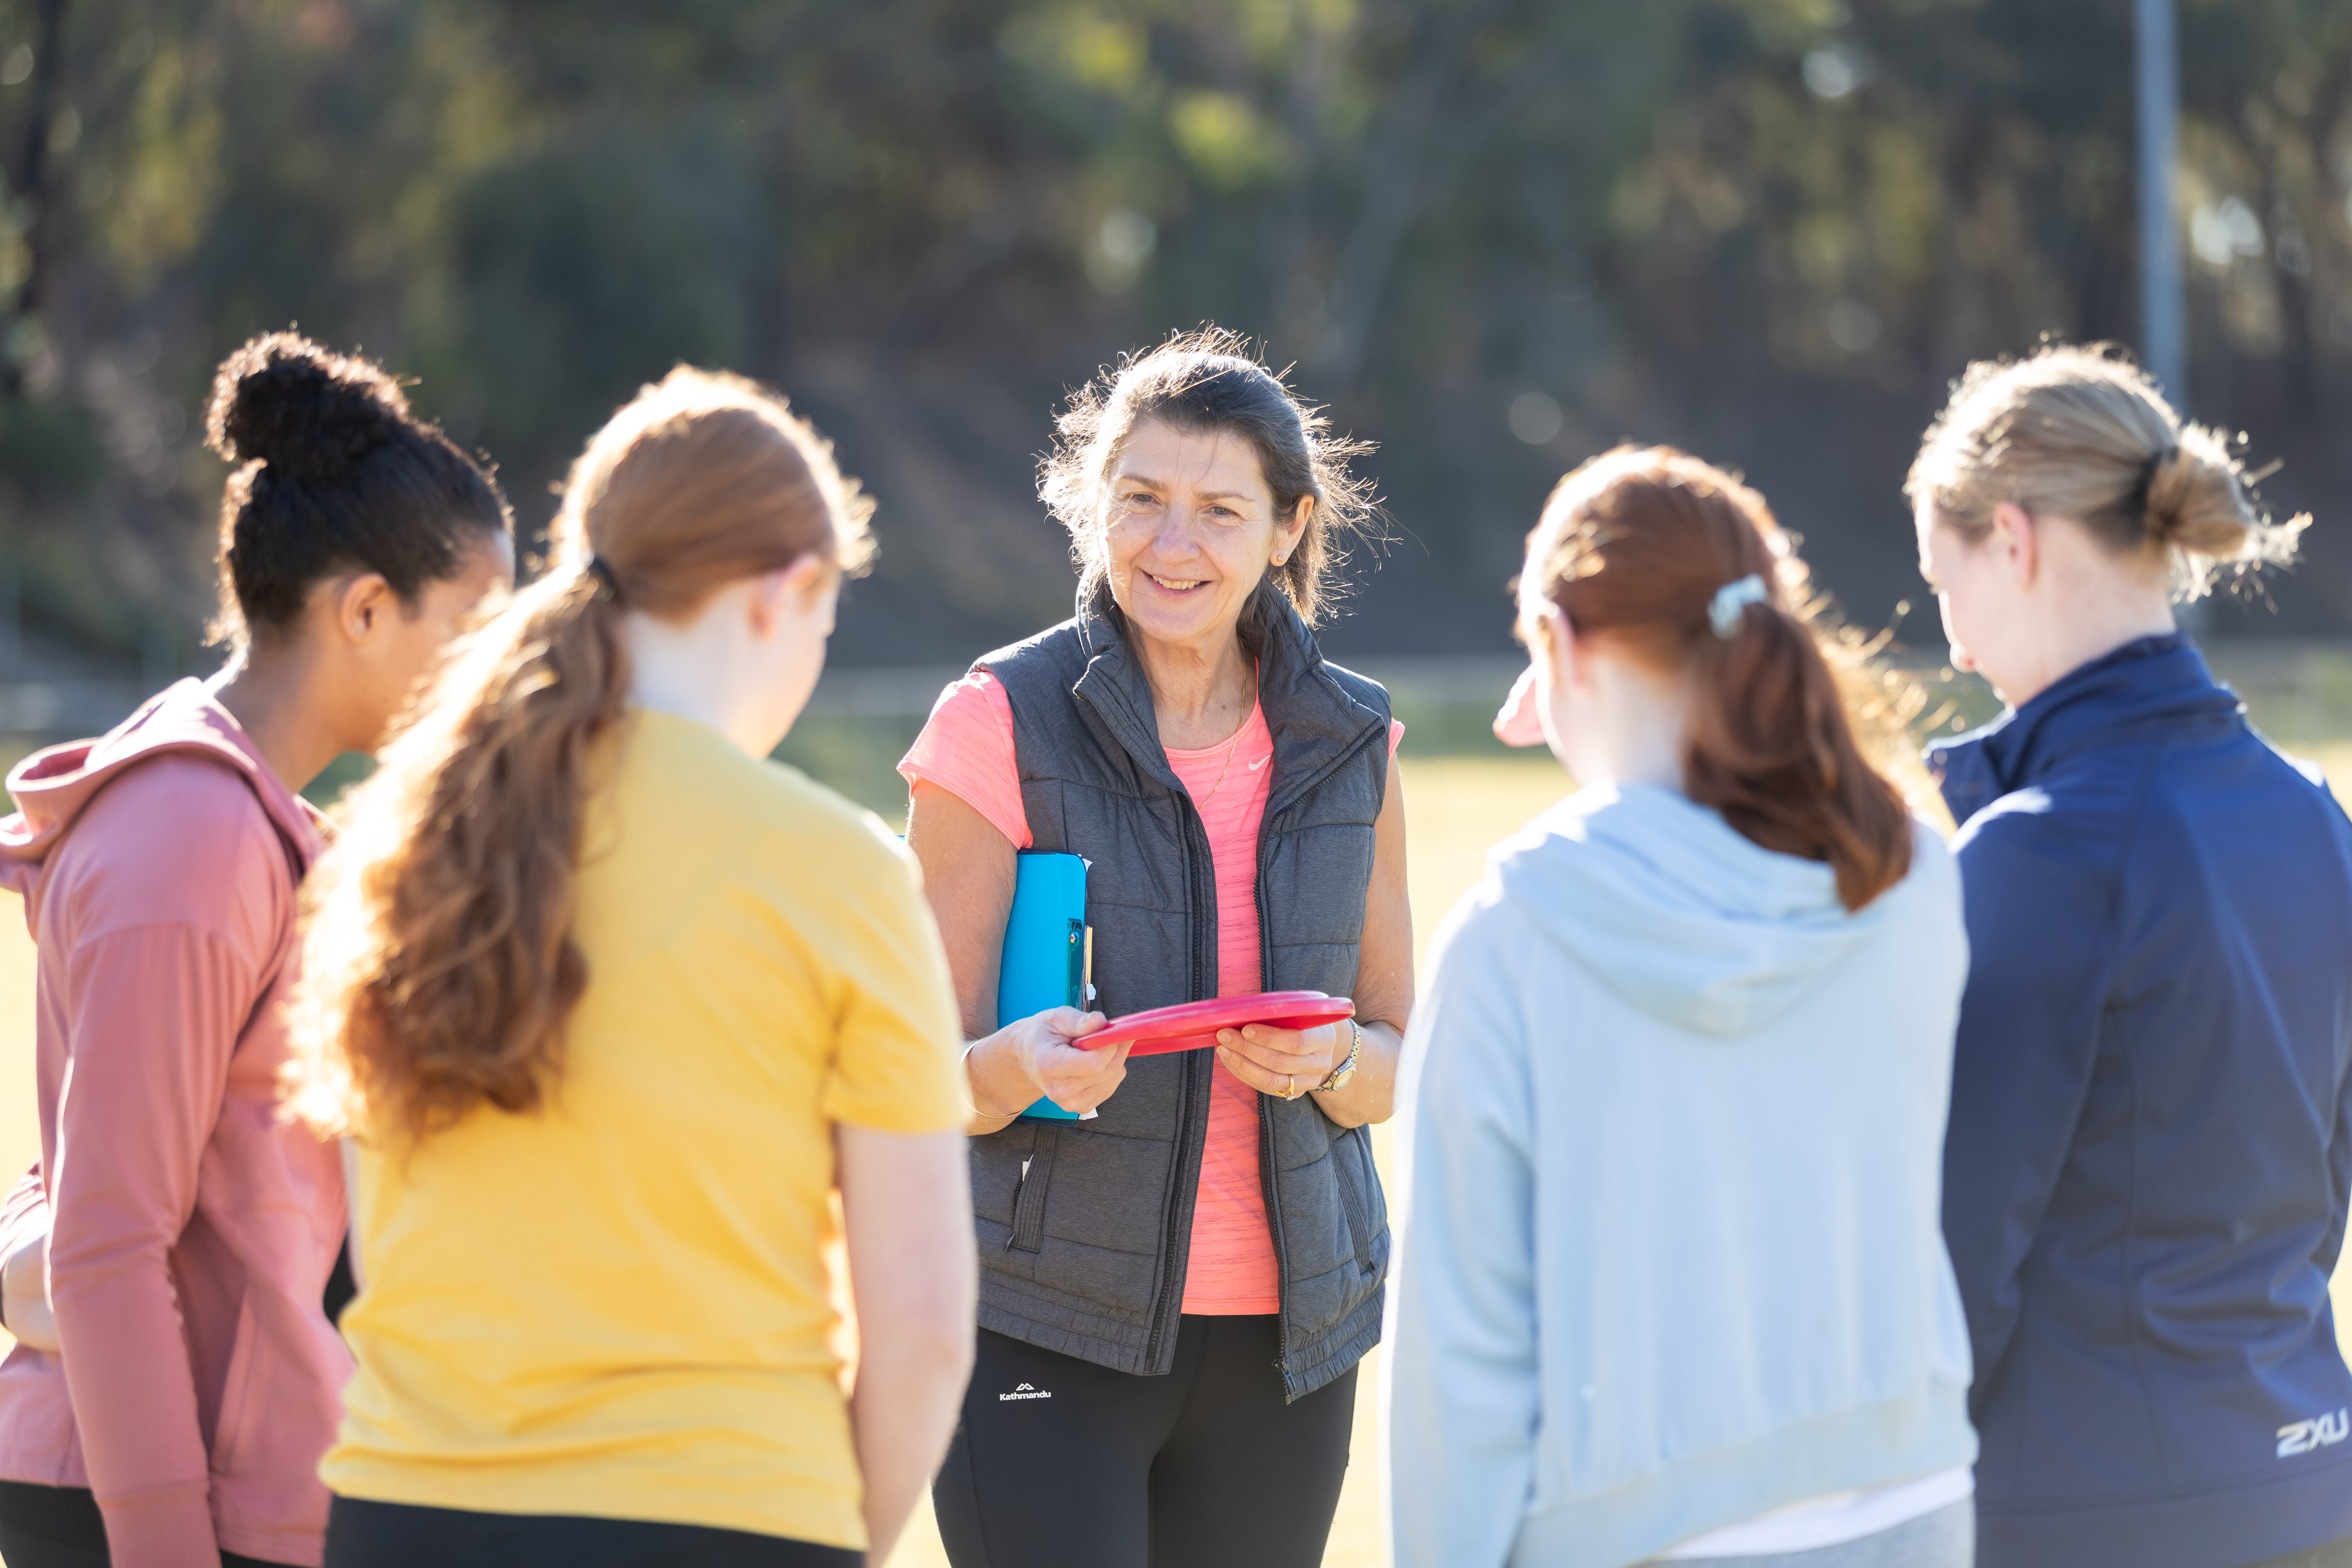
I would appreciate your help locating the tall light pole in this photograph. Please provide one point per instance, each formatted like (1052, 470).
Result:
(2163, 307)
(2163, 311)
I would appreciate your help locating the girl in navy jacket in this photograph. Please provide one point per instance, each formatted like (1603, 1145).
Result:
(2149, 1157)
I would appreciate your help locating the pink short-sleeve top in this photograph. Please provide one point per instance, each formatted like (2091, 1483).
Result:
(967, 749)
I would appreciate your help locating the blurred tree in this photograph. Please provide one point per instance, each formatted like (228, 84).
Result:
(36, 62)
(1496, 235)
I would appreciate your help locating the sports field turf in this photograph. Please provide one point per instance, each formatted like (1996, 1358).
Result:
(1456, 807)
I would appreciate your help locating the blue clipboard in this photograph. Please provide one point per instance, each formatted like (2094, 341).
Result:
(1046, 950)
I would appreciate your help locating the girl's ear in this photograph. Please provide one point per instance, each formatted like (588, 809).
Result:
(778, 592)
(1556, 639)
(2018, 535)
(360, 603)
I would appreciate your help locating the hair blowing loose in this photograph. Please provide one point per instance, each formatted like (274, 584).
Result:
(1633, 547)
(1208, 381)
(439, 968)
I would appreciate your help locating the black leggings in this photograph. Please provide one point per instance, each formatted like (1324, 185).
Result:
(362, 1534)
(1059, 1463)
(60, 1527)
(401, 1536)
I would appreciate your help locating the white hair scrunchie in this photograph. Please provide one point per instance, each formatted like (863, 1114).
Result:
(1723, 611)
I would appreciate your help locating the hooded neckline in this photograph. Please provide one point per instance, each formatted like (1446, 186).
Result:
(2161, 679)
(53, 787)
(1676, 912)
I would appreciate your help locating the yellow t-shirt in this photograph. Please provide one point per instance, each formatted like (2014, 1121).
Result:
(617, 1306)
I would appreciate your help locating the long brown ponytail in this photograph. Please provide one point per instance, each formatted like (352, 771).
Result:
(439, 964)
(1636, 547)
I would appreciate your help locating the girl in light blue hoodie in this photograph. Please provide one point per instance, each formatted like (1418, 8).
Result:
(1671, 1281)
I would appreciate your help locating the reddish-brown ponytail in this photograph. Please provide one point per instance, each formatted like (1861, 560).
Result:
(1634, 548)
(440, 966)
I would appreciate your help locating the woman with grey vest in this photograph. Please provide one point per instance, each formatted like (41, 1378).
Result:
(1176, 1289)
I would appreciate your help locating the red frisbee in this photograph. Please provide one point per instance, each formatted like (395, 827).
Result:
(1194, 1025)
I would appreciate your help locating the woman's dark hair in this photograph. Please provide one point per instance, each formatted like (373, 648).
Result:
(1636, 547)
(1209, 381)
(333, 474)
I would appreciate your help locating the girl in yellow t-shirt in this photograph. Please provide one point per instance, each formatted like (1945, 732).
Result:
(613, 1007)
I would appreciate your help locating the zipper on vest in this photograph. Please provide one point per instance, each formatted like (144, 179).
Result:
(1168, 1310)
(1167, 1307)
(1265, 1142)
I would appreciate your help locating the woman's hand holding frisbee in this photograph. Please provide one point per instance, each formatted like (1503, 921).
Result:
(1034, 1058)
(1283, 1062)
(1073, 1079)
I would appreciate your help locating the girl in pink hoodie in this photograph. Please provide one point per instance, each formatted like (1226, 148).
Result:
(176, 1417)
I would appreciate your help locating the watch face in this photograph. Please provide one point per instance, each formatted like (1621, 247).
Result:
(1347, 1068)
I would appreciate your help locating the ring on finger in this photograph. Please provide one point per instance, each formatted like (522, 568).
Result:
(1289, 1087)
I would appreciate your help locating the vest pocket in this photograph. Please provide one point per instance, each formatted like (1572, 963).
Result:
(1029, 1197)
(1351, 1164)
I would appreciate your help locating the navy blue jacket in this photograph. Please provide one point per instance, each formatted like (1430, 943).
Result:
(2147, 1168)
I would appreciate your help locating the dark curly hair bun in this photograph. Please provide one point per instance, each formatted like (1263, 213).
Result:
(300, 408)
(334, 474)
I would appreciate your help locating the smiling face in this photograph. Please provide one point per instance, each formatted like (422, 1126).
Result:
(1191, 526)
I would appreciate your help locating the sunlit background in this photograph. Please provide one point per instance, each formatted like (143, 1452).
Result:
(1494, 236)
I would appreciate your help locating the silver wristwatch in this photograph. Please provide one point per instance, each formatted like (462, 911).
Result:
(1346, 1070)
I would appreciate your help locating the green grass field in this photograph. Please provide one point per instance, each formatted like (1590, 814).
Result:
(1455, 807)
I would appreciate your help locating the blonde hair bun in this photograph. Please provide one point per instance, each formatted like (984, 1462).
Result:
(2082, 433)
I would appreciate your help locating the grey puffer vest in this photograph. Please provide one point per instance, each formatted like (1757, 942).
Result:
(1085, 1226)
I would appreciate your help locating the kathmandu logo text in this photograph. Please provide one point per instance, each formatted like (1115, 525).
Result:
(1027, 1392)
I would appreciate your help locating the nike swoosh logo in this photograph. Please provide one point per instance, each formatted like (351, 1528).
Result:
(1258, 764)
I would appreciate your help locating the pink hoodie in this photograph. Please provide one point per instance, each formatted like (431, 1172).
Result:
(192, 1230)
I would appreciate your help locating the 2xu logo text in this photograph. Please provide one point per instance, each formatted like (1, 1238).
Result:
(2303, 1436)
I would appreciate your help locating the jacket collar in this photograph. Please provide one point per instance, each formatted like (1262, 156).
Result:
(1315, 722)
(2161, 680)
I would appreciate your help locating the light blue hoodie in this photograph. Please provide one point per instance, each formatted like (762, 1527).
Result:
(1669, 1244)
